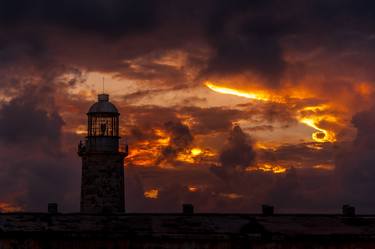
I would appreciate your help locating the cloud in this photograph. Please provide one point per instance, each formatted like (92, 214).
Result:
(245, 42)
(354, 163)
(307, 155)
(238, 152)
(179, 139)
(311, 49)
(38, 164)
(101, 16)
(213, 119)
(134, 39)
(23, 121)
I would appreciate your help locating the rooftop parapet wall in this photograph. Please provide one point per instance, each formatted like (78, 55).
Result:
(196, 231)
(253, 227)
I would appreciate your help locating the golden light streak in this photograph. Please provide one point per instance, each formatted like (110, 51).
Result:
(152, 194)
(310, 115)
(249, 95)
(321, 135)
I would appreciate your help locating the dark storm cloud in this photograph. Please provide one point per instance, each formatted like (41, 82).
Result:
(31, 178)
(144, 94)
(104, 17)
(32, 142)
(240, 37)
(142, 119)
(245, 41)
(180, 134)
(238, 152)
(21, 120)
(355, 163)
(305, 190)
(261, 128)
(213, 119)
(237, 155)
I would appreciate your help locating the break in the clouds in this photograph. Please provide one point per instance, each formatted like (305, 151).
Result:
(225, 104)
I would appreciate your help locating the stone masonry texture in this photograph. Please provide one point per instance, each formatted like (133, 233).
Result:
(102, 189)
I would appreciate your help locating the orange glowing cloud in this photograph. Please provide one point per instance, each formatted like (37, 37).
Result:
(325, 166)
(146, 152)
(193, 188)
(364, 89)
(194, 155)
(9, 207)
(312, 116)
(249, 95)
(232, 196)
(268, 167)
(151, 194)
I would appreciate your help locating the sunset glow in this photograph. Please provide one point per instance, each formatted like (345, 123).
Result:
(222, 104)
(196, 151)
(244, 94)
(267, 167)
(321, 135)
(9, 207)
(193, 188)
(152, 193)
(311, 116)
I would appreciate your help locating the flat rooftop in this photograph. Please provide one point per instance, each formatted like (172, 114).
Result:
(189, 226)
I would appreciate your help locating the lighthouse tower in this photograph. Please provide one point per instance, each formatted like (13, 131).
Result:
(102, 186)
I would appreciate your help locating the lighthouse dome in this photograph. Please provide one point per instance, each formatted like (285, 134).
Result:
(103, 105)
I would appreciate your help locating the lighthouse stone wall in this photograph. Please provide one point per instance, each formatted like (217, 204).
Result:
(102, 188)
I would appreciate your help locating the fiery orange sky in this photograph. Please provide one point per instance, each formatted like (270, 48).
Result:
(227, 105)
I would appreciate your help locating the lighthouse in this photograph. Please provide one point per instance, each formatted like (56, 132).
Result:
(102, 185)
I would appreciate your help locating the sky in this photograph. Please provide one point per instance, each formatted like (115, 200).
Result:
(227, 105)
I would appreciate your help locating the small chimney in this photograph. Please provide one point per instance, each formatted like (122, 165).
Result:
(187, 209)
(52, 208)
(267, 210)
(348, 210)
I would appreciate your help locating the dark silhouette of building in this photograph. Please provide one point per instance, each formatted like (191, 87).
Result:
(102, 186)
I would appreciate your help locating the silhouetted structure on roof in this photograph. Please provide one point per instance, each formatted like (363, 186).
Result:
(102, 186)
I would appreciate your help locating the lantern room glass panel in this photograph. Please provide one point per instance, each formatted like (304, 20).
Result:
(103, 125)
